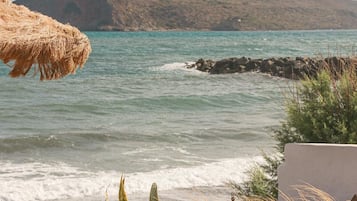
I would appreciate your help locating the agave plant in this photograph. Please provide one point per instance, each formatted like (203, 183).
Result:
(153, 193)
(122, 195)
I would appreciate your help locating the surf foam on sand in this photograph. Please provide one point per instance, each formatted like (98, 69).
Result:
(58, 181)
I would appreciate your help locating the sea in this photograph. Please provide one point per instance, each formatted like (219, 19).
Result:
(135, 111)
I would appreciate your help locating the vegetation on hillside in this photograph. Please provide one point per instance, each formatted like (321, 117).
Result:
(147, 15)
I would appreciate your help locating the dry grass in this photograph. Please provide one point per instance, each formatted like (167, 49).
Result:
(29, 38)
(306, 192)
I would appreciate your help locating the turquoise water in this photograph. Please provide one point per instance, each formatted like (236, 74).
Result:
(135, 109)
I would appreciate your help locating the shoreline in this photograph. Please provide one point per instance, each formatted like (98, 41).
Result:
(210, 30)
(207, 193)
(285, 67)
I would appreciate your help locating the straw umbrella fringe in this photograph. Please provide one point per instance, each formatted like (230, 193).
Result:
(29, 38)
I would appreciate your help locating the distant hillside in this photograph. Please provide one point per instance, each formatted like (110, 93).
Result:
(134, 15)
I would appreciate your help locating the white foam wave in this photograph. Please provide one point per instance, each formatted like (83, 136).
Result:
(179, 67)
(37, 181)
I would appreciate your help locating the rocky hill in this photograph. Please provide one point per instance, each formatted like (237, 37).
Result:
(146, 15)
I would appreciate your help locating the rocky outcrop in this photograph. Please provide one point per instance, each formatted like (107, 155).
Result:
(291, 68)
(147, 15)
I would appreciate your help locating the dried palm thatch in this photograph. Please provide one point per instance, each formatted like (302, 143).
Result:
(29, 38)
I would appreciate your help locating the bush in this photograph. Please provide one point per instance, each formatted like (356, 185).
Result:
(325, 109)
(262, 181)
(321, 109)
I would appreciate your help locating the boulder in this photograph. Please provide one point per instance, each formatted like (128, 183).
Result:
(282, 67)
(231, 65)
(266, 66)
(203, 65)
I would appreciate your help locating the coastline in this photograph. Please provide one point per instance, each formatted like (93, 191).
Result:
(286, 67)
(207, 193)
(212, 193)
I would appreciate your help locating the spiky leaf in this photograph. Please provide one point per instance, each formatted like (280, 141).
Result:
(122, 194)
(153, 193)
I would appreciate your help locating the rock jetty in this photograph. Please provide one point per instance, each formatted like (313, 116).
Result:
(287, 67)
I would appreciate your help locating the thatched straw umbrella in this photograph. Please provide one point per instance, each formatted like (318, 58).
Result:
(31, 39)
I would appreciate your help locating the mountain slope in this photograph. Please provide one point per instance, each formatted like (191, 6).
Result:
(134, 15)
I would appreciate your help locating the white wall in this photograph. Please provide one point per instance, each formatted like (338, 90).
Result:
(329, 167)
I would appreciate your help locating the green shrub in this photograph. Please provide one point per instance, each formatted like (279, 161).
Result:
(320, 109)
(262, 182)
(324, 109)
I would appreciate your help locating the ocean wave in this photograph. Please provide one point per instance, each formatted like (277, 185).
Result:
(69, 140)
(85, 141)
(198, 102)
(9, 145)
(58, 181)
(179, 67)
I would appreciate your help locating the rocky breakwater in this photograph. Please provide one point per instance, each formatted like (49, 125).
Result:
(287, 67)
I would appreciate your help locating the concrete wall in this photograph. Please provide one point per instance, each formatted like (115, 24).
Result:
(329, 167)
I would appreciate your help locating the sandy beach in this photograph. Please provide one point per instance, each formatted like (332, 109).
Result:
(221, 193)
